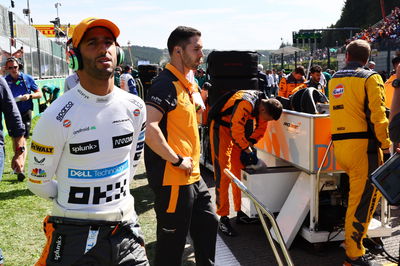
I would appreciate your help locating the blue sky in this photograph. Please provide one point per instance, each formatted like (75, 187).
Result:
(225, 25)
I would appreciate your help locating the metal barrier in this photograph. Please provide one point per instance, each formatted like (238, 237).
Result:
(261, 209)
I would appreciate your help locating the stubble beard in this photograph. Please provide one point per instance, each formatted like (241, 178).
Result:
(97, 73)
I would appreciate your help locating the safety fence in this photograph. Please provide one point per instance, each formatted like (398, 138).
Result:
(42, 58)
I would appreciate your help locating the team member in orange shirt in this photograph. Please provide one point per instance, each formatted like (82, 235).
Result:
(172, 153)
(291, 81)
(388, 84)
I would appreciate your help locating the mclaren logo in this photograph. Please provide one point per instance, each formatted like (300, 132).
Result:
(292, 127)
(39, 148)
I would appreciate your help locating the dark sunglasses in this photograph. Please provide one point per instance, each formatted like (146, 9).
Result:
(12, 67)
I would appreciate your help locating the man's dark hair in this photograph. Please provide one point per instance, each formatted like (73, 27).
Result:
(316, 68)
(396, 60)
(180, 37)
(273, 107)
(299, 70)
(127, 68)
(359, 51)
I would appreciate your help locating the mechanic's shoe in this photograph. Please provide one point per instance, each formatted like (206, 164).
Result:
(226, 227)
(20, 177)
(360, 261)
(242, 218)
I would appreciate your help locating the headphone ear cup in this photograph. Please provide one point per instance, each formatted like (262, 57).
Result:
(120, 56)
(75, 59)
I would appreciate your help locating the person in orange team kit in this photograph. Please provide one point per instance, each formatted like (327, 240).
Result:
(389, 90)
(172, 153)
(234, 129)
(291, 81)
(314, 81)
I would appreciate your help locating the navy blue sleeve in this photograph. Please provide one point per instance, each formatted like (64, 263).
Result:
(31, 83)
(162, 95)
(132, 86)
(11, 113)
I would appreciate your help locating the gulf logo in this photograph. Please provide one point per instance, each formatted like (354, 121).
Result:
(67, 123)
(338, 91)
(136, 112)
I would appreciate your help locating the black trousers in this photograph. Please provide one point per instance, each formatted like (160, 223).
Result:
(82, 242)
(27, 119)
(183, 209)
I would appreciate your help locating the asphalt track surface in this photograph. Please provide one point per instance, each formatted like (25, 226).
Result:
(252, 248)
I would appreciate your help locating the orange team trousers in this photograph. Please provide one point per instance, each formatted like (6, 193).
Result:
(225, 155)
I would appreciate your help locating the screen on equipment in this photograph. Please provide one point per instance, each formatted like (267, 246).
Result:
(387, 179)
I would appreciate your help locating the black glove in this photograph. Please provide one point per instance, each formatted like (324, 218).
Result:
(248, 158)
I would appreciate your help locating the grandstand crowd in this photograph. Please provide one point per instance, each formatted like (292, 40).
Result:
(388, 28)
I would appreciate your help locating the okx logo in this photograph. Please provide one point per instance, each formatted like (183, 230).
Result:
(121, 141)
(84, 147)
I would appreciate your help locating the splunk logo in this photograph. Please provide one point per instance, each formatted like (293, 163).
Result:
(64, 111)
(121, 141)
(98, 173)
(84, 147)
(58, 248)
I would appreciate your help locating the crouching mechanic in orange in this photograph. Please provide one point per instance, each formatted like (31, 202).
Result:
(241, 122)
(91, 140)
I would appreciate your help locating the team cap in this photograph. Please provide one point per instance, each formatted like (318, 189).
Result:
(89, 23)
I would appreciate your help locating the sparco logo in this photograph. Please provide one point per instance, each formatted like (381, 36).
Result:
(58, 248)
(121, 141)
(64, 111)
(84, 148)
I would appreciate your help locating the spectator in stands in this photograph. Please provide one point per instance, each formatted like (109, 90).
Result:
(291, 81)
(314, 81)
(127, 82)
(24, 89)
(388, 84)
(388, 28)
(16, 130)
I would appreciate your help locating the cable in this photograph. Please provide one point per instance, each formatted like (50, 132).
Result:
(384, 251)
(337, 233)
